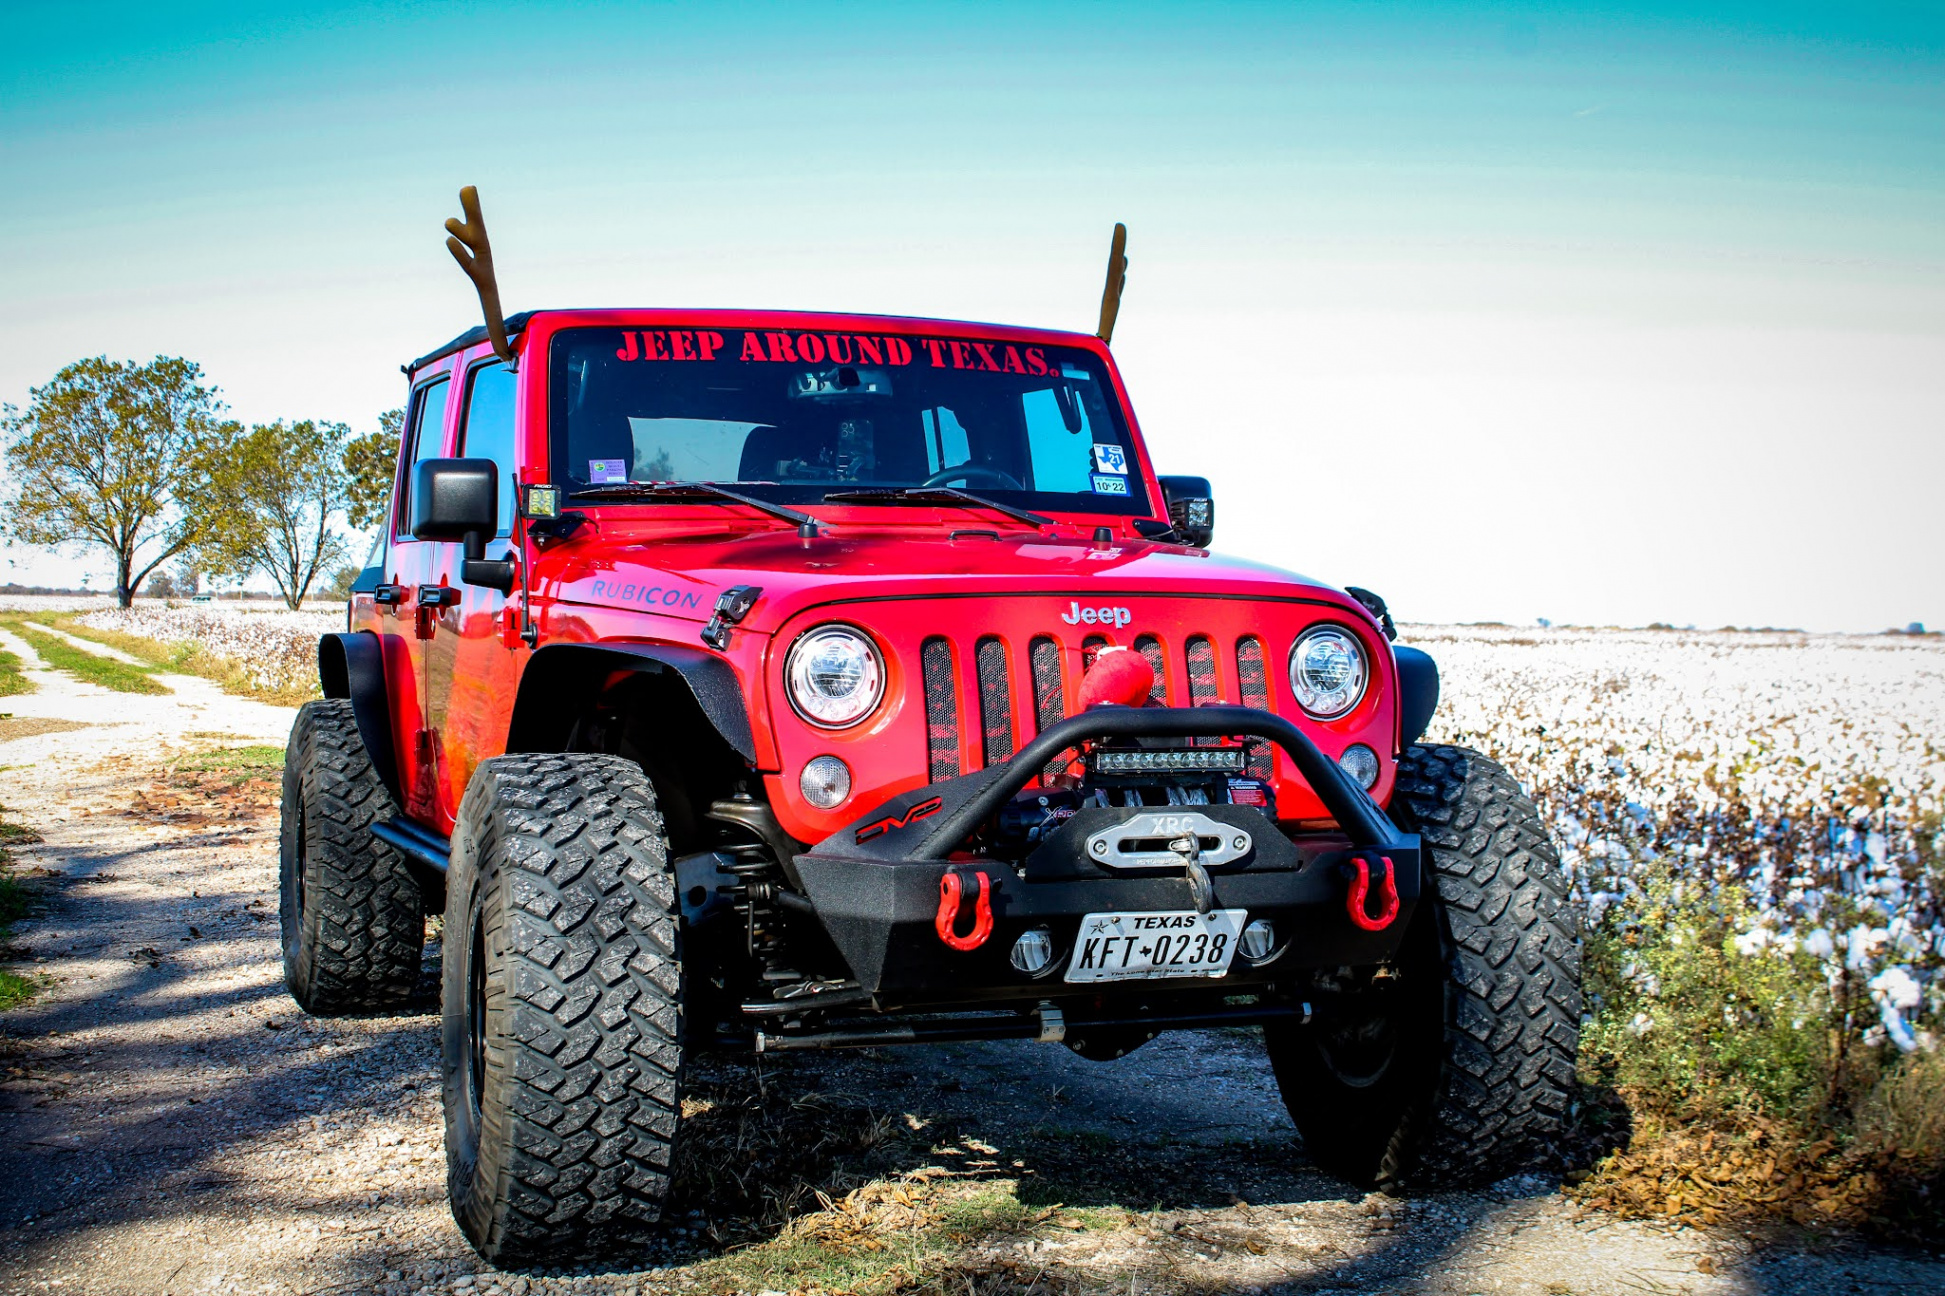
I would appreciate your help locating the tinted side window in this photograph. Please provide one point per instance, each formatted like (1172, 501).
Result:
(426, 436)
(488, 433)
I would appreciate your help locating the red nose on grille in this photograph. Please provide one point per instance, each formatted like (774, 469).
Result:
(1121, 677)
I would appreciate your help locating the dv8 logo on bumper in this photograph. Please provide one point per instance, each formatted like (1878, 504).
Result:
(879, 827)
(1143, 840)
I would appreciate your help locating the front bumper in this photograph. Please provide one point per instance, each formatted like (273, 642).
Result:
(875, 886)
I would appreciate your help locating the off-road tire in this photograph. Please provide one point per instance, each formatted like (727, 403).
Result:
(561, 992)
(1464, 1073)
(352, 918)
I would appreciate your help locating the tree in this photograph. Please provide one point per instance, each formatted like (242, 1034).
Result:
(370, 462)
(282, 487)
(341, 582)
(98, 456)
(161, 585)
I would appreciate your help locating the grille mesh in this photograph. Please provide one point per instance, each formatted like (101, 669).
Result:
(1049, 694)
(1151, 648)
(1090, 649)
(995, 702)
(1200, 657)
(941, 710)
(1255, 686)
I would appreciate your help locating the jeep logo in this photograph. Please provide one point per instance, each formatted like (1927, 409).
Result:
(1108, 616)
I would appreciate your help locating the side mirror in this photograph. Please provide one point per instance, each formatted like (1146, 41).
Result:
(459, 499)
(1191, 509)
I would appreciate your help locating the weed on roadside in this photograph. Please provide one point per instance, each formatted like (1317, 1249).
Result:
(225, 784)
(15, 903)
(84, 665)
(12, 680)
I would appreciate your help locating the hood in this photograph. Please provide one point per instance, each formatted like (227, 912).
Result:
(682, 577)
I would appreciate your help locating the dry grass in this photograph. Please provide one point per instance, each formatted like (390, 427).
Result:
(224, 785)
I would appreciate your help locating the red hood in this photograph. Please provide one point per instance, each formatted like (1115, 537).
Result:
(682, 577)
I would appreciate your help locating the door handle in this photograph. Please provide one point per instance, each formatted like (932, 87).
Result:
(388, 595)
(438, 596)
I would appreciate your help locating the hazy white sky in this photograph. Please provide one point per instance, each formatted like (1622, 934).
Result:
(1602, 315)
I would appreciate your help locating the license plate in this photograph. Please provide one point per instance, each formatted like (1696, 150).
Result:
(1151, 946)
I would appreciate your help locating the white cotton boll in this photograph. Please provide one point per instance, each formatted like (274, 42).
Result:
(1875, 1037)
(1752, 941)
(1641, 1025)
(1819, 945)
(1898, 988)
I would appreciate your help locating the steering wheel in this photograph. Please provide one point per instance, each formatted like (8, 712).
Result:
(970, 473)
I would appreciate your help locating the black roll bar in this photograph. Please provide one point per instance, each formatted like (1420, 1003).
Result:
(1356, 813)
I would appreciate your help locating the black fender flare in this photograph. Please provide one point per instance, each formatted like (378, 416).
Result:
(352, 665)
(555, 672)
(1417, 693)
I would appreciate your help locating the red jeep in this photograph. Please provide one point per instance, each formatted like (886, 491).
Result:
(773, 681)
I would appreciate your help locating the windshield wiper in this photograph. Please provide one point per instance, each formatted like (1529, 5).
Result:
(807, 526)
(928, 495)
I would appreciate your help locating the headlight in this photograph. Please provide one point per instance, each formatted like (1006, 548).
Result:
(1327, 671)
(835, 677)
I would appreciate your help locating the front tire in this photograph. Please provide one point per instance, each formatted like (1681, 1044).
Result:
(352, 917)
(561, 992)
(1455, 1066)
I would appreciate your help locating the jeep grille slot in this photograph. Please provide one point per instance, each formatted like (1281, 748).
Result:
(995, 701)
(1090, 649)
(1200, 657)
(941, 710)
(1151, 648)
(1254, 683)
(1049, 693)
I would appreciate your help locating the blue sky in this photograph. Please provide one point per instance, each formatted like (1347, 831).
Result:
(1602, 314)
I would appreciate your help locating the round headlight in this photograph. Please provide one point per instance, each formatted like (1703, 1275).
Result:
(1327, 671)
(835, 677)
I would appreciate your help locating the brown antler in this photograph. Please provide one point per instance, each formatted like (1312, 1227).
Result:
(1117, 280)
(469, 247)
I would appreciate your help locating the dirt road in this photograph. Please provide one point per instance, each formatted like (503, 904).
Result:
(170, 1124)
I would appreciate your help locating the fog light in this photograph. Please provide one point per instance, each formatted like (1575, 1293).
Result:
(1259, 938)
(825, 782)
(1033, 951)
(1361, 763)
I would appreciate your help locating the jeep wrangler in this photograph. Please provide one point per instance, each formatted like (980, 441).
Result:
(771, 681)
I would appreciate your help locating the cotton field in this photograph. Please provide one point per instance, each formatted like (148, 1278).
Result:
(1806, 768)
(275, 647)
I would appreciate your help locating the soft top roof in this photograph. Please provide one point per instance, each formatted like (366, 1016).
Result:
(517, 323)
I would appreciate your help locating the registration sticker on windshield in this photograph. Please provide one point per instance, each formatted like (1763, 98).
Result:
(607, 472)
(1111, 459)
(1104, 484)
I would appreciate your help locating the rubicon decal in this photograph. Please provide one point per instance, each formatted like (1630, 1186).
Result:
(1107, 616)
(923, 810)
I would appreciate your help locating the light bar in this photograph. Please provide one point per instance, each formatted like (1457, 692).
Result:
(1171, 760)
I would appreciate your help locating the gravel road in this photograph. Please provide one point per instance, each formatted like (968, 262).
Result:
(169, 1123)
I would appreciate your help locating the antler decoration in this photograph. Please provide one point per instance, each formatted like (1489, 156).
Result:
(1117, 280)
(469, 247)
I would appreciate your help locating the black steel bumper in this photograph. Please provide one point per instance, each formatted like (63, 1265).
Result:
(875, 886)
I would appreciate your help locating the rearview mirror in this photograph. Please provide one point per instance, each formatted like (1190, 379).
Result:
(459, 499)
(1191, 509)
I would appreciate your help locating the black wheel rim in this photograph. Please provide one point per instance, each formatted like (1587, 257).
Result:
(1359, 1052)
(476, 1017)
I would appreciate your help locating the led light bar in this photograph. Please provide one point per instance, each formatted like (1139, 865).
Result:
(1171, 760)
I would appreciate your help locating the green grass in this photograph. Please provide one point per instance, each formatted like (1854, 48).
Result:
(246, 761)
(183, 657)
(84, 665)
(14, 903)
(11, 679)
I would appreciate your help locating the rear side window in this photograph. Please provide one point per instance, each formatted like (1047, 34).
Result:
(489, 430)
(427, 438)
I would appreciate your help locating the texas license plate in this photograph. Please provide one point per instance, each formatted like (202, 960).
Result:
(1150, 946)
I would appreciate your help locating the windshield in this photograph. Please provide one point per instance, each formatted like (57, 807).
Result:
(793, 416)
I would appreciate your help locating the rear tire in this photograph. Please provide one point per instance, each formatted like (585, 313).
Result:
(561, 992)
(352, 917)
(1457, 1068)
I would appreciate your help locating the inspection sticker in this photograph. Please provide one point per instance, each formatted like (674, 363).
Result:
(1107, 485)
(1111, 459)
(607, 472)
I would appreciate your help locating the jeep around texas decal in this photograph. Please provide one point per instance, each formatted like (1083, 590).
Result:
(779, 347)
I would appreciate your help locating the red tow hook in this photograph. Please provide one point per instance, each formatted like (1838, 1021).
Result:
(950, 890)
(1360, 888)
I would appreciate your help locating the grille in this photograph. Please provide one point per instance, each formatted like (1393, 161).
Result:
(1200, 657)
(941, 710)
(1151, 648)
(1043, 675)
(1254, 684)
(995, 702)
(1049, 694)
